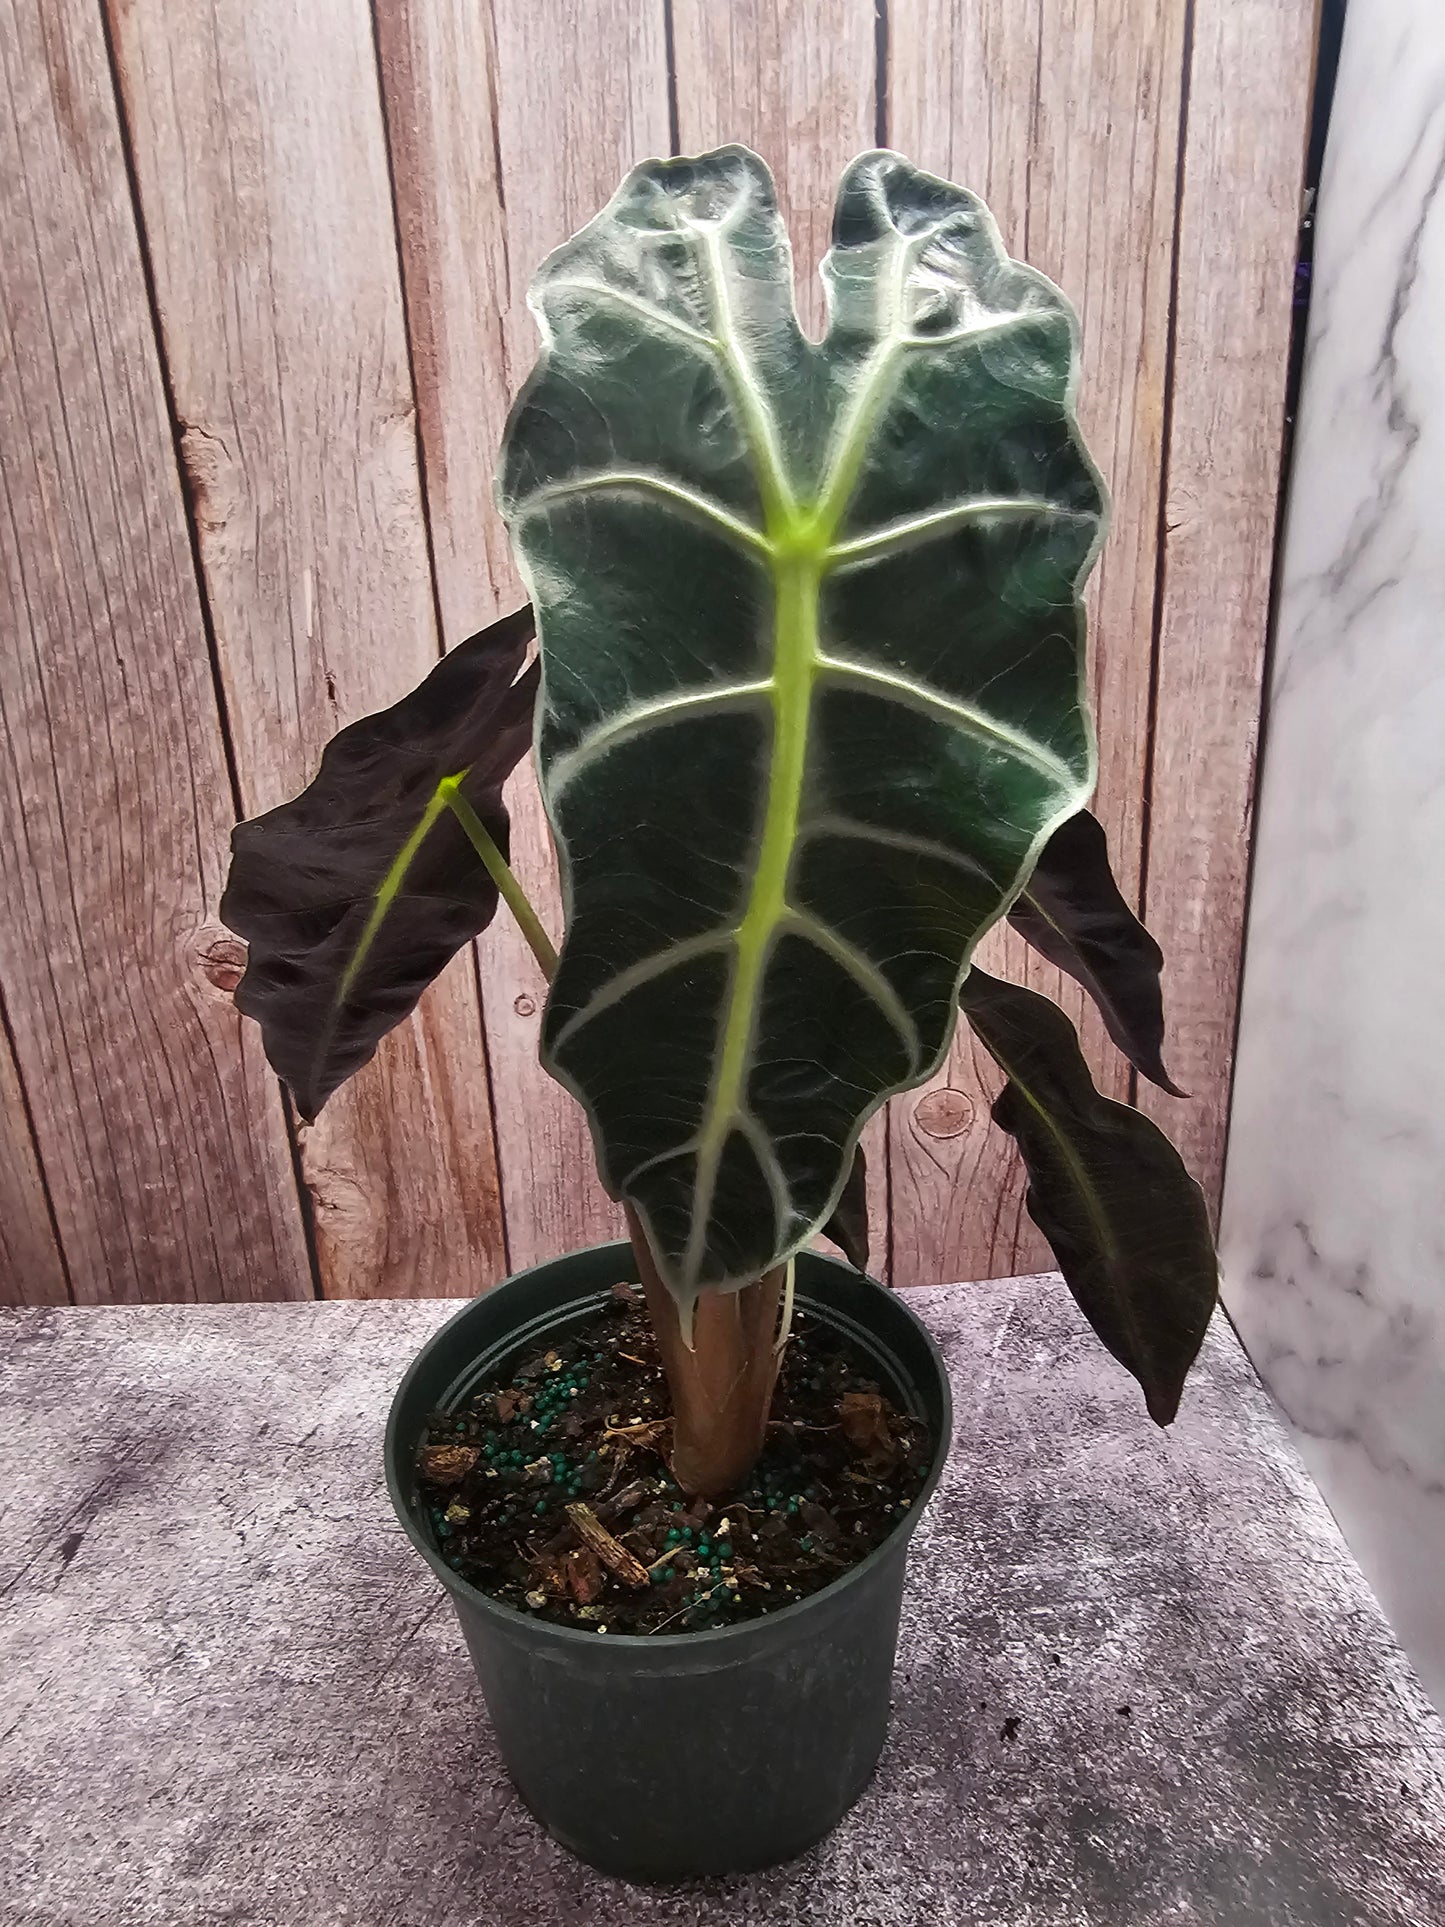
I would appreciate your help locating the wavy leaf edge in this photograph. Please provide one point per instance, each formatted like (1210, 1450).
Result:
(799, 543)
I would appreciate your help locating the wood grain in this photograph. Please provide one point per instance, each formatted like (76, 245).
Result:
(1065, 117)
(510, 126)
(439, 79)
(798, 84)
(160, 1130)
(31, 1269)
(261, 159)
(333, 397)
(1249, 103)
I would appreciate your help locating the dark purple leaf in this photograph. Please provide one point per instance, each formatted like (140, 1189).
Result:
(355, 895)
(1072, 913)
(1108, 1190)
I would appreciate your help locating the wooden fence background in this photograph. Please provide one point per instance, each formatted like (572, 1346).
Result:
(262, 275)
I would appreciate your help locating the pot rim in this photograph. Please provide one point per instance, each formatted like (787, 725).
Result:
(713, 1638)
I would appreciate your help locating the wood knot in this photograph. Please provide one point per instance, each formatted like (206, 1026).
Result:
(220, 957)
(945, 1113)
(206, 461)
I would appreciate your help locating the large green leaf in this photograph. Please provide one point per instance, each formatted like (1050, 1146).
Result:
(811, 642)
(1108, 1190)
(354, 895)
(1072, 912)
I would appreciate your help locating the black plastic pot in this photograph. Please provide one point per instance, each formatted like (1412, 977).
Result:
(703, 1753)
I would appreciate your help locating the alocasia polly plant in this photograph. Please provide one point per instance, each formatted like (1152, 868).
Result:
(810, 720)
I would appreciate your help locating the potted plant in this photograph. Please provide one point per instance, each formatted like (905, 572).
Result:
(809, 719)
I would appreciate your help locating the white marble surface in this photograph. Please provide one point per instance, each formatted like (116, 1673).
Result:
(1334, 1212)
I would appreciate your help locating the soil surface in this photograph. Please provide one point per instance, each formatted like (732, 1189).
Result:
(550, 1489)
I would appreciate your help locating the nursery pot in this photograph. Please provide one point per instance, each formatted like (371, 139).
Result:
(697, 1753)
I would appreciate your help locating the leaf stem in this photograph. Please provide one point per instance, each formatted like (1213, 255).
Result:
(510, 891)
(785, 1323)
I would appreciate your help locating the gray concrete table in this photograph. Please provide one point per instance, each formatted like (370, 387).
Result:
(1141, 1680)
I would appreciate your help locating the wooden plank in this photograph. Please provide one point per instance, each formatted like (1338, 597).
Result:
(31, 1269)
(1065, 117)
(510, 126)
(261, 159)
(1249, 104)
(159, 1127)
(798, 84)
(438, 78)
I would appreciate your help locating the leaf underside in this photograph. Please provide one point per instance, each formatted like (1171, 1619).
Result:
(848, 1226)
(357, 893)
(811, 643)
(1073, 913)
(1125, 1220)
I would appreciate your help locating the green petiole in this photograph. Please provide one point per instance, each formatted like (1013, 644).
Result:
(508, 888)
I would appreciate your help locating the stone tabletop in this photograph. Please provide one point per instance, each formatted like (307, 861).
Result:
(1141, 1680)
